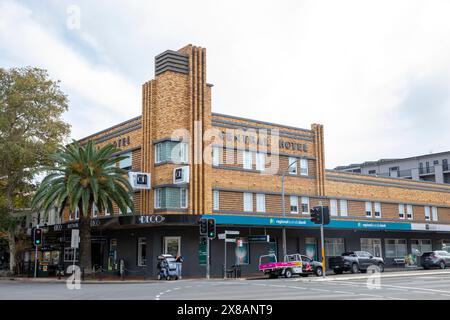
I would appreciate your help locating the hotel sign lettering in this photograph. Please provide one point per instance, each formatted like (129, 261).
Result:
(122, 142)
(263, 141)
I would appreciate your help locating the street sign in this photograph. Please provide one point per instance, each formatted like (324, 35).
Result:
(75, 238)
(259, 238)
(222, 236)
(230, 240)
(231, 232)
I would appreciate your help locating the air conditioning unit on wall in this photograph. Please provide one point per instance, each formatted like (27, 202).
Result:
(181, 175)
(139, 180)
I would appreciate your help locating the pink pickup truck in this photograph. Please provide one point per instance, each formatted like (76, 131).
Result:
(293, 264)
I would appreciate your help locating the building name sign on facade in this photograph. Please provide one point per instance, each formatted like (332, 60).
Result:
(262, 140)
(122, 142)
(299, 222)
(151, 219)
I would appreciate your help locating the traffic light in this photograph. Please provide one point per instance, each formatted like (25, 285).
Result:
(203, 226)
(37, 237)
(320, 215)
(316, 215)
(211, 228)
(203, 240)
(326, 215)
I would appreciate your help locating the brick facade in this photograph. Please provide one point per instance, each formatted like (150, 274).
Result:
(177, 104)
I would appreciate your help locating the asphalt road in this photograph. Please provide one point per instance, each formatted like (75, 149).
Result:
(429, 285)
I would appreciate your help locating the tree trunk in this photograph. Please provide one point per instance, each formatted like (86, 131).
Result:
(85, 243)
(12, 252)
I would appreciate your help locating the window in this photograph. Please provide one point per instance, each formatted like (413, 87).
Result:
(159, 153)
(248, 163)
(142, 252)
(260, 202)
(419, 246)
(216, 200)
(294, 204)
(183, 198)
(126, 163)
(333, 207)
(68, 255)
(248, 201)
(184, 152)
(77, 213)
(303, 167)
(401, 211)
(172, 245)
(434, 211)
(305, 205)
(260, 161)
(71, 215)
(372, 171)
(334, 247)
(372, 246)
(292, 165)
(158, 198)
(427, 213)
(215, 156)
(377, 210)
(171, 151)
(368, 209)
(435, 162)
(343, 207)
(409, 212)
(395, 248)
(94, 211)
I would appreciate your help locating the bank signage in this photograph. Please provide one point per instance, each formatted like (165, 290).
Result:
(302, 222)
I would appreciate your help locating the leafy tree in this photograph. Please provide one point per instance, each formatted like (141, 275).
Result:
(84, 176)
(31, 127)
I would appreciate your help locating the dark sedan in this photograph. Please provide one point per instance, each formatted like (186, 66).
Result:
(435, 259)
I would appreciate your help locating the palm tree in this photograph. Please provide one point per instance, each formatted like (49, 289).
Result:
(84, 176)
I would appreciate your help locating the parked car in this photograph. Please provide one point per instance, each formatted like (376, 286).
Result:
(435, 259)
(293, 264)
(354, 262)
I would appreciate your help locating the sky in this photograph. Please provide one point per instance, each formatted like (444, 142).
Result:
(376, 74)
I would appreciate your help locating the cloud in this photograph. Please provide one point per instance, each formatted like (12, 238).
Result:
(359, 67)
(106, 95)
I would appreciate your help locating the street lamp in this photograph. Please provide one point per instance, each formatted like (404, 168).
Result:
(283, 204)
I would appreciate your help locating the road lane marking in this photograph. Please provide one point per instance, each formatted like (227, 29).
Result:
(413, 288)
(343, 292)
(423, 292)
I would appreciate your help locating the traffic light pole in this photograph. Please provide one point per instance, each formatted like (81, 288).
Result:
(322, 246)
(35, 261)
(207, 258)
(36, 251)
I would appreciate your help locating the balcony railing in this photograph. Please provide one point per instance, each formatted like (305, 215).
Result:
(426, 170)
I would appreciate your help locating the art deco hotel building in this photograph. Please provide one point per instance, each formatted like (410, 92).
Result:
(230, 168)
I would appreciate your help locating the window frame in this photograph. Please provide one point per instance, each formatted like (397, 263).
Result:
(248, 201)
(305, 201)
(247, 160)
(260, 201)
(343, 213)
(216, 200)
(292, 169)
(304, 170)
(295, 198)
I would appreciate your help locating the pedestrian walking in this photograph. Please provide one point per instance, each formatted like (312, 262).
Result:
(179, 261)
